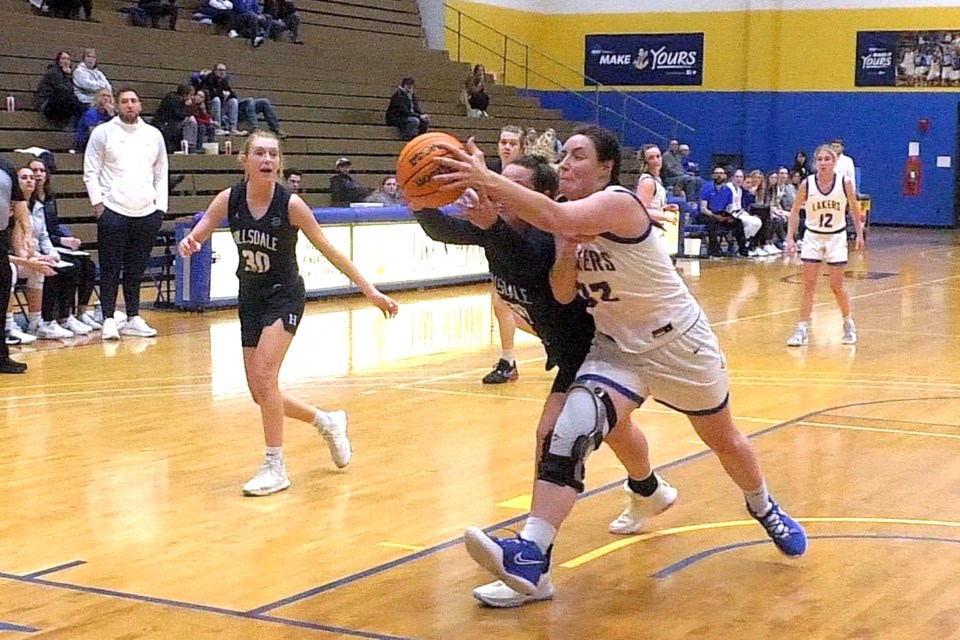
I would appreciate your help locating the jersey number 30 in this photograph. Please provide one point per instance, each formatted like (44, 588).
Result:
(257, 261)
(603, 288)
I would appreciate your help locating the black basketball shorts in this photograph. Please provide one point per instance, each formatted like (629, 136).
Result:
(261, 306)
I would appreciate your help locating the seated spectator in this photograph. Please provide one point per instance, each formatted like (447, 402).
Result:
(344, 187)
(388, 194)
(557, 143)
(690, 167)
(71, 9)
(88, 80)
(79, 281)
(249, 21)
(222, 101)
(800, 164)
(54, 97)
(508, 148)
(674, 173)
(40, 308)
(92, 118)
(544, 146)
(285, 18)
(404, 113)
(174, 120)
(148, 13)
(715, 197)
(529, 141)
(217, 84)
(198, 110)
(475, 94)
(739, 208)
(294, 178)
(219, 12)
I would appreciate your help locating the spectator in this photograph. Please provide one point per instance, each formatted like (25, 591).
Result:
(88, 80)
(150, 12)
(475, 93)
(344, 187)
(557, 144)
(845, 166)
(404, 113)
(70, 9)
(690, 167)
(530, 141)
(174, 121)
(221, 97)
(285, 17)
(218, 85)
(249, 22)
(54, 97)
(129, 193)
(508, 148)
(674, 174)
(94, 116)
(198, 110)
(801, 165)
(388, 194)
(294, 178)
(544, 147)
(75, 296)
(739, 208)
(219, 12)
(715, 197)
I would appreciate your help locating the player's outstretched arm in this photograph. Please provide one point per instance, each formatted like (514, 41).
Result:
(302, 217)
(215, 214)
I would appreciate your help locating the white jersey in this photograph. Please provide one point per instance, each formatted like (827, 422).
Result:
(633, 291)
(826, 212)
(659, 194)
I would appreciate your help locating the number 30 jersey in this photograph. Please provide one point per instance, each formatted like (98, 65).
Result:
(267, 245)
(633, 290)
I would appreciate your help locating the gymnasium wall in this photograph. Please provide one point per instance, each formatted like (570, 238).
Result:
(778, 76)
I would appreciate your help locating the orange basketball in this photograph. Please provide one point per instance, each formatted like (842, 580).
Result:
(416, 167)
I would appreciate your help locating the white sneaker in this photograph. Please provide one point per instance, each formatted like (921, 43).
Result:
(110, 331)
(74, 325)
(849, 332)
(52, 331)
(640, 509)
(22, 336)
(499, 595)
(271, 478)
(221, 132)
(756, 252)
(121, 318)
(87, 318)
(137, 326)
(771, 249)
(799, 337)
(336, 438)
(237, 132)
(232, 33)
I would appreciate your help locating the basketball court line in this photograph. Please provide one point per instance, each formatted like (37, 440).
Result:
(676, 567)
(829, 425)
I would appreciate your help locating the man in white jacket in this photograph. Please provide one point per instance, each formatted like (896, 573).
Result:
(844, 166)
(125, 172)
(88, 80)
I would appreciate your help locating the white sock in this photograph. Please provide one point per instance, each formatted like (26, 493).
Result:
(11, 324)
(758, 499)
(275, 454)
(507, 354)
(33, 319)
(540, 532)
(803, 324)
(321, 420)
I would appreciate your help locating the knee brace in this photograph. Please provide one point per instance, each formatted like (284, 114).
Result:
(587, 417)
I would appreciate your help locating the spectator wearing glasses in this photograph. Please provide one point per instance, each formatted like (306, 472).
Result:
(715, 198)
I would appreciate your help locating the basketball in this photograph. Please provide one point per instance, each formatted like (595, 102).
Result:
(416, 167)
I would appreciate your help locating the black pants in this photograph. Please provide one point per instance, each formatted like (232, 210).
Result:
(479, 101)
(715, 227)
(69, 289)
(125, 245)
(5, 276)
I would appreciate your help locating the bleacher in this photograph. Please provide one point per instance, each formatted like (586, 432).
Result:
(330, 94)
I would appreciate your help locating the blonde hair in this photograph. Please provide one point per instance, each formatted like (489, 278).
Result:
(825, 147)
(248, 144)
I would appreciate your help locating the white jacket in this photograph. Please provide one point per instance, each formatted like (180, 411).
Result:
(125, 168)
(87, 82)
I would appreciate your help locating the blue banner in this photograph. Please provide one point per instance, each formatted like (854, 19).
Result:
(651, 59)
(877, 58)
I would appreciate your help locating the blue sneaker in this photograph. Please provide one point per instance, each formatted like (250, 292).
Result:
(785, 532)
(517, 562)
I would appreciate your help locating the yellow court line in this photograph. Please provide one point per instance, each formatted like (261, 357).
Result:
(880, 430)
(620, 544)
(397, 545)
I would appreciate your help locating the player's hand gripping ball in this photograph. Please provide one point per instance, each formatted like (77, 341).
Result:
(416, 167)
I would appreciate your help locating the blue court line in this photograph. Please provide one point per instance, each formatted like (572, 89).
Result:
(676, 567)
(59, 567)
(191, 606)
(366, 573)
(6, 626)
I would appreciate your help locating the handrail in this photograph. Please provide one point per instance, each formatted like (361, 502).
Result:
(527, 69)
(596, 104)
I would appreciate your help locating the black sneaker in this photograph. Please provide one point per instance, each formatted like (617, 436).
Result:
(12, 366)
(502, 372)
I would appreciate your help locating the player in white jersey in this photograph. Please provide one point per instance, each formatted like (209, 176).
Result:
(653, 195)
(826, 195)
(652, 339)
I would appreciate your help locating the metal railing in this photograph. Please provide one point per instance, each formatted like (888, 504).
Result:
(518, 62)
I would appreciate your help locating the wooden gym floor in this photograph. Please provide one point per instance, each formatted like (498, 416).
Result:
(122, 465)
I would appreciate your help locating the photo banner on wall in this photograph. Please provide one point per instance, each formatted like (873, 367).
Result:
(908, 59)
(648, 59)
